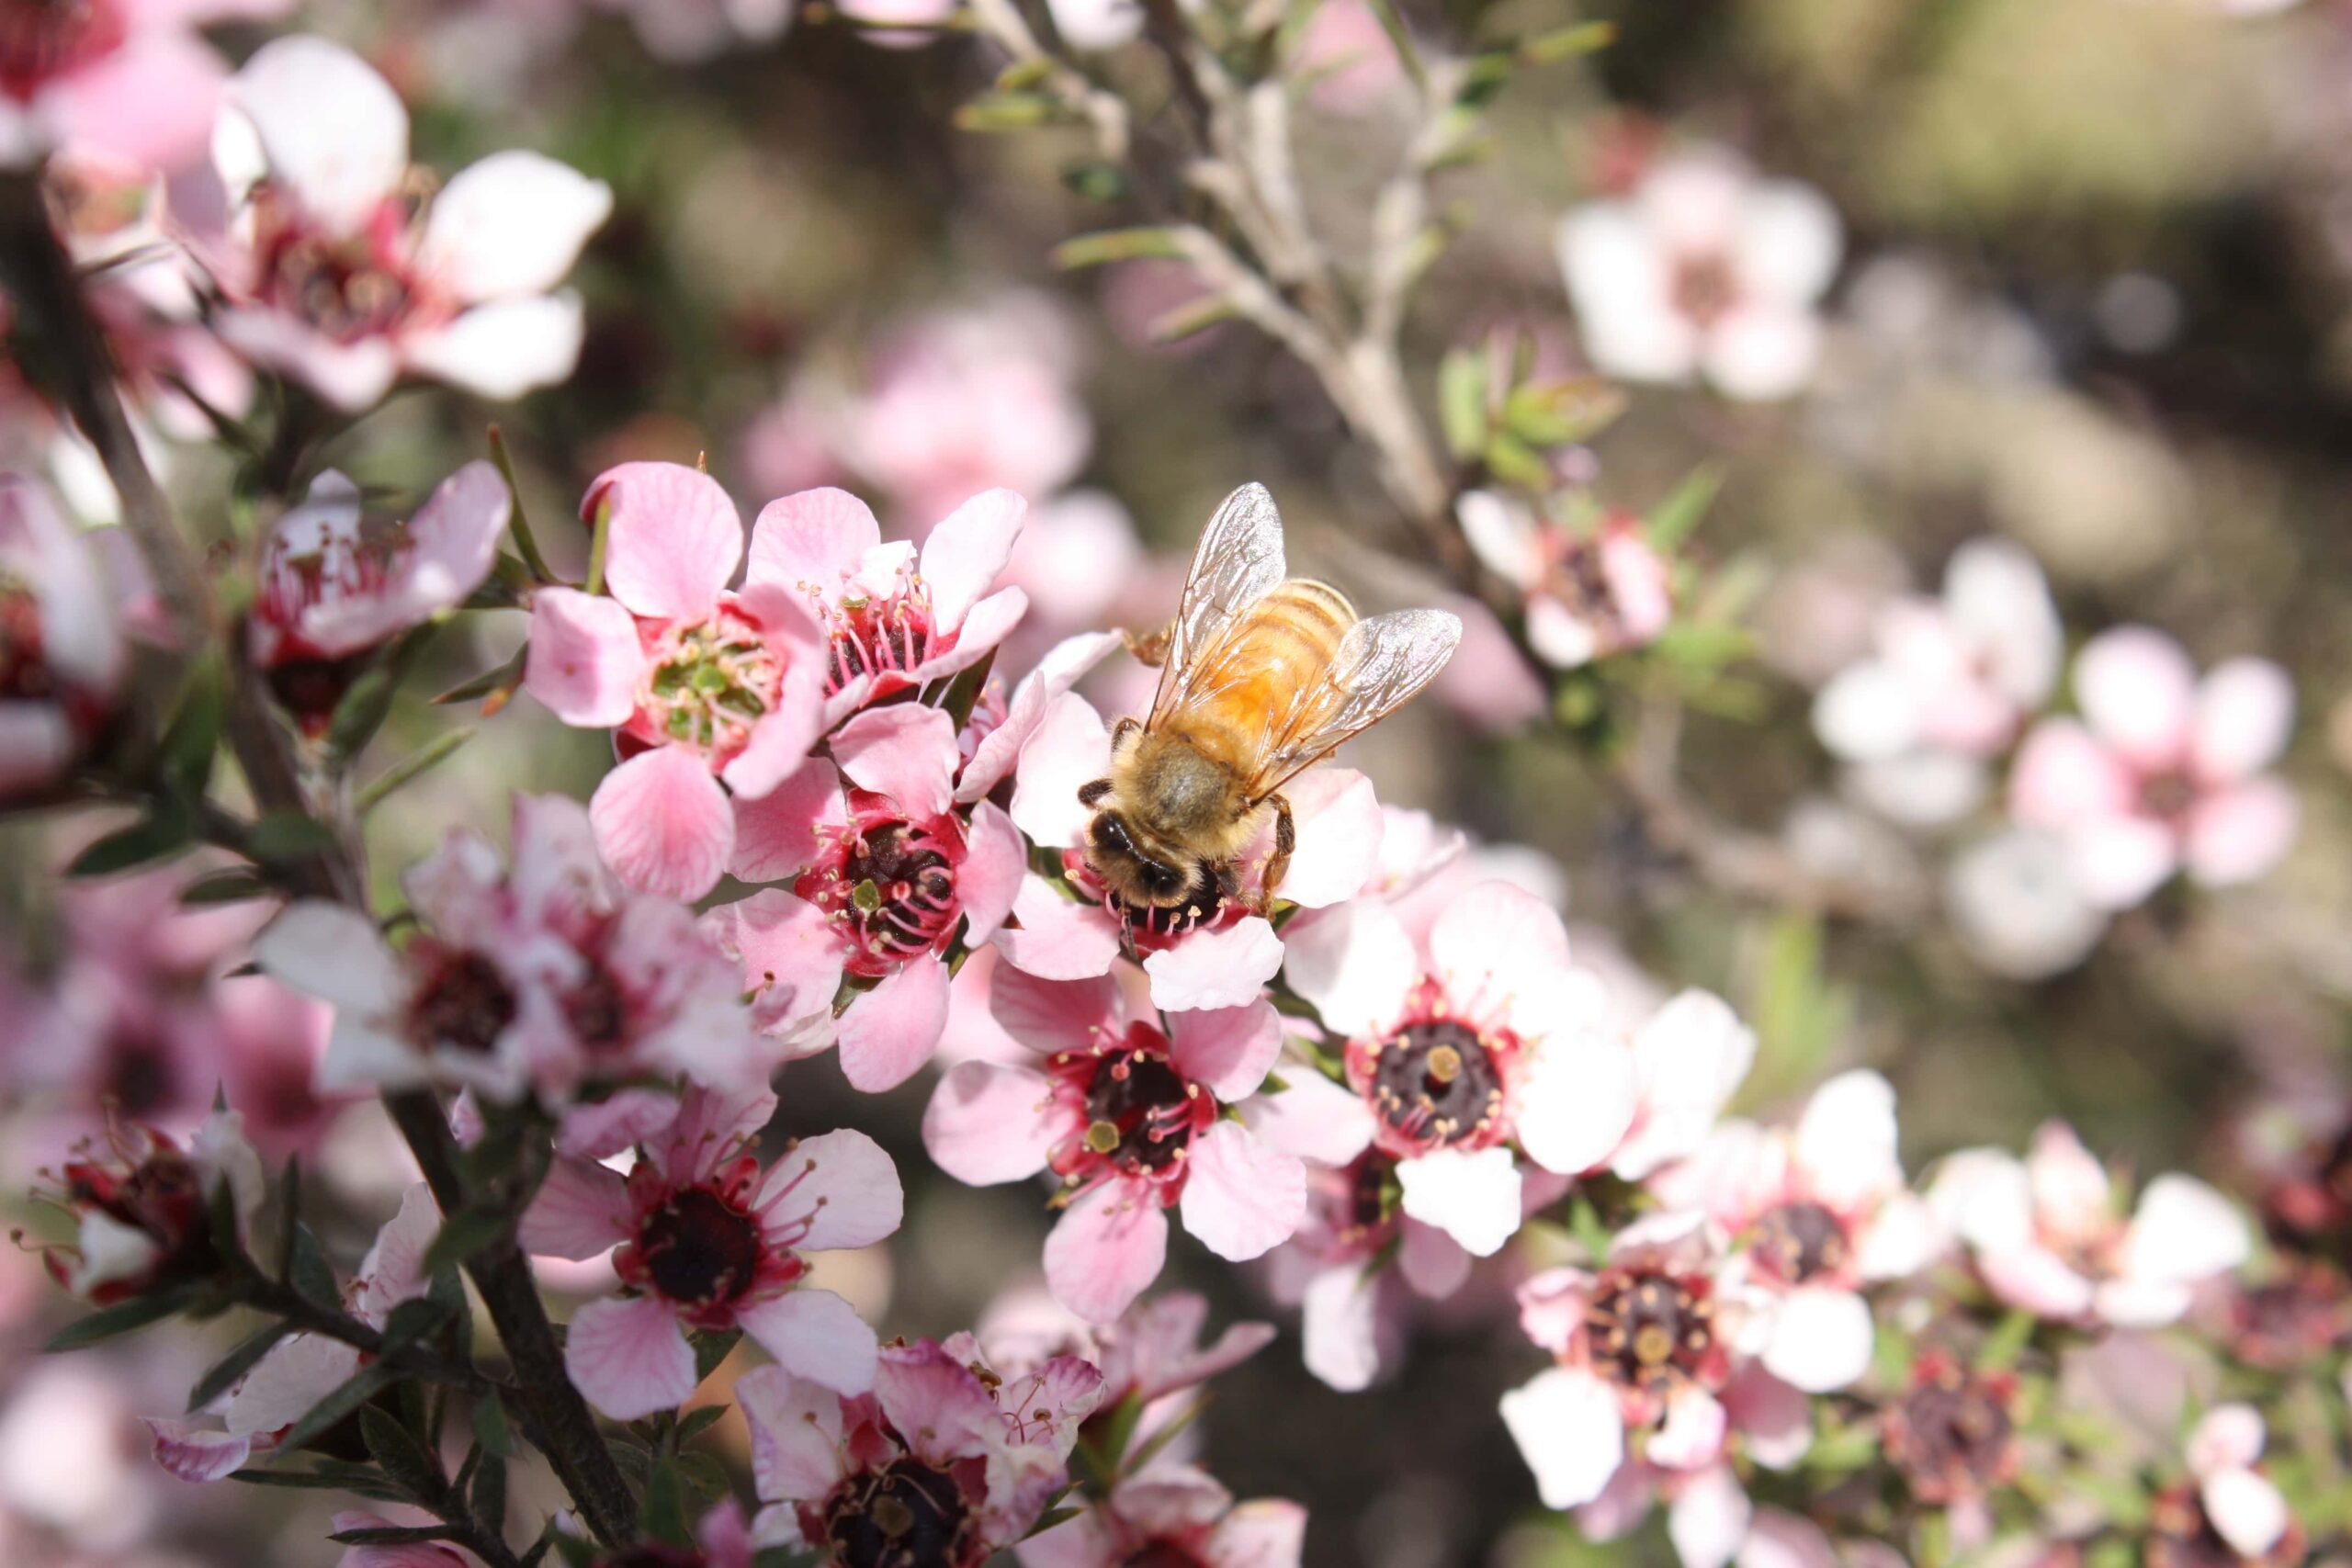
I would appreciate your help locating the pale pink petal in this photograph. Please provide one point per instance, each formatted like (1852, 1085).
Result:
(629, 1116)
(292, 1379)
(1070, 748)
(1844, 1141)
(1491, 939)
(2138, 691)
(585, 661)
(966, 551)
(988, 1123)
(1579, 1102)
(1784, 245)
(792, 961)
(1783, 1541)
(580, 1212)
(1050, 1016)
(842, 1189)
(2183, 1231)
(663, 824)
(1902, 1238)
(2228, 1437)
(1775, 1420)
(1226, 968)
(996, 859)
(1230, 1050)
(197, 1454)
(1474, 1198)
(815, 1335)
(353, 375)
(1339, 826)
(988, 623)
(777, 835)
(1265, 1532)
(1692, 1433)
(1105, 1251)
(1567, 1429)
(1760, 352)
(1503, 536)
(2245, 712)
(2117, 863)
(2238, 834)
(150, 102)
(510, 225)
(1341, 1328)
(1354, 962)
(334, 131)
(1821, 1339)
(2247, 1511)
(674, 541)
(886, 1034)
(629, 1358)
(2071, 1189)
(2064, 777)
(1312, 1118)
(334, 953)
(1709, 1518)
(796, 719)
(2040, 1282)
(1242, 1198)
(1054, 938)
(795, 1432)
(906, 751)
(812, 540)
(1001, 747)
(502, 350)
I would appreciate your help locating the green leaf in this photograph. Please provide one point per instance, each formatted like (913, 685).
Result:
(1516, 462)
(695, 1423)
(336, 1406)
(307, 1270)
(1558, 413)
(491, 1430)
(488, 1498)
(223, 1373)
(1672, 521)
(663, 1514)
(231, 885)
(412, 1321)
(393, 1534)
(366, 1484)
(1096, 181)
(1799, 1015)
(995, 111)
(1566, 43)
(712, 1349)
(1462, 381)
(404, 1458)
(368, 702)
(425, 758)
(285, 836)
(705, 1474)
(123, 1317)
(2008, 1341)
(786, 1557)
(165, 833)
(462, 1236)
(965, 690)
(1115, 245)
(505, 678)
(517, 524)
(193, 738)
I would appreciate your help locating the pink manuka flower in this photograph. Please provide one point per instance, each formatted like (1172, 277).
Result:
(1172, 1514)
(1127, 1112)
(1690, 1056)
(2229, 1497)
(1947, 686)
(339, 271)
(1704, 268)
(1821, 1210)
(130, 79)
(2048, 1236)
(1476, 1039)
(711, 1240)
(2163, 771)
(1587, 596)
(1643, 1352)
(885, 871)
(305, 1368)
(943, 1455)
(334, 587)
(1152, 1353)
(893, 621)
(543, 977)
(1219, 956)
(62, 658)
(705, 685)
(143, 1212)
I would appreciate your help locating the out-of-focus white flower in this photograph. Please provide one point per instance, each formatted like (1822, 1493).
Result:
(2015, 909)
(1704, 269)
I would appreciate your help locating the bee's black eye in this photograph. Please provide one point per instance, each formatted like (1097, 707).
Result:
(1107, 832)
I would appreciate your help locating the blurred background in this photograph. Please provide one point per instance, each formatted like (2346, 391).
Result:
(2095, 297)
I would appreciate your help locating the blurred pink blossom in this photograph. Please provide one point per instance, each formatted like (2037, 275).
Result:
(130, 79)
(1172, 1514)
(1585, 596)
(62, 658)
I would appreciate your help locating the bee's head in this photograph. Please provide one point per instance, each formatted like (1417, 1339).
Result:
(1136, 878)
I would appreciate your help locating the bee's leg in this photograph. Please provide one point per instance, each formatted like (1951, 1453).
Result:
(1150, 647)
(1092, 791)
(1121, 730)
(1286, 841)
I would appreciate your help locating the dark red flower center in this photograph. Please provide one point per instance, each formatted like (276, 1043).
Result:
(1436, 1085)
(1649, 1328)
(2169, 797)
(1705, 288)
(311, 689)
(880, 638)
(699, 1249)
(24, 672)
(906, 1515)
(41, 40)
(463, 1003)
(140, 1077)
(650, 1555)
(163, 1196)
(345, 286)
(1952, 1435)
(1160, 1554)
(1802, 1241)
(598, 1010)
(1138, 1112)
(893, 889)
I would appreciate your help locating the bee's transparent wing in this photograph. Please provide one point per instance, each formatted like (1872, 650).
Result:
(1380, 664)
(1239, 557)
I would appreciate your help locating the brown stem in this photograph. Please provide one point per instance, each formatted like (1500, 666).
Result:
(80, 369)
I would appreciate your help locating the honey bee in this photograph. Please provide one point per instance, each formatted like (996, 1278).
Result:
(1263, 675)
